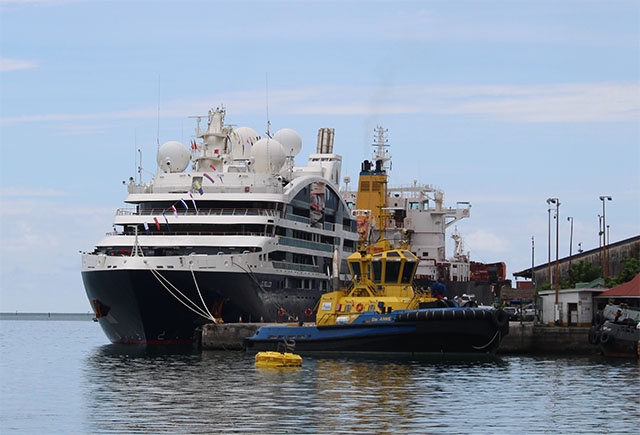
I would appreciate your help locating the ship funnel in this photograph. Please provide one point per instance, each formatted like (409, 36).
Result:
(325, 141)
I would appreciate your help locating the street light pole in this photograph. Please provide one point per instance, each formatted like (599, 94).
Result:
(533, 284)
(557, 258)
(570, 219)
(604, 199)
(549, 240)
(556, 313)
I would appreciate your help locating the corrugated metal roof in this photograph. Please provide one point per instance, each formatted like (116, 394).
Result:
(598, 282)
(629, 289)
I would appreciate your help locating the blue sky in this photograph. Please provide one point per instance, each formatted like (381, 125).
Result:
(502, 104)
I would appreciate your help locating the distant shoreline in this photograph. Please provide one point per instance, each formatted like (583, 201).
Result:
(46, 316)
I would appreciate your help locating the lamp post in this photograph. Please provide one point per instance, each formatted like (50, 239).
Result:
(549, 240)
(533, 281)
(604, 200)
(556, 310)
(570, 219)
(600, 235)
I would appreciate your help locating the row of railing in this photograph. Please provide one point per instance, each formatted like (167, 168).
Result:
(154, 232)
(296, 266)
(306, 244)
(221, 212)
(199, 212)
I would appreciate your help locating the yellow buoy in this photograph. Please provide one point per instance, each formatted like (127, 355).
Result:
(277, 359)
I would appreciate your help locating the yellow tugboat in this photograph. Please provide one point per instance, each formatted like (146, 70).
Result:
(382, 311)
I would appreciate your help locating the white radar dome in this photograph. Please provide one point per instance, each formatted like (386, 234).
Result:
(290, 140)
(269, 156)
(242, 139)
(173, 156)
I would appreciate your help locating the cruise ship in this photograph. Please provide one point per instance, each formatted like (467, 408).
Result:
(229, 229)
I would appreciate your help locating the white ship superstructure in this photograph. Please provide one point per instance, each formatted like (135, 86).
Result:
(419, 209)
(245, 234)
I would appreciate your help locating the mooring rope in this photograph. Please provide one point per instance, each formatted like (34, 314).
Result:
(197, 309)
(250, 273)
(490, 341)
(193, 275)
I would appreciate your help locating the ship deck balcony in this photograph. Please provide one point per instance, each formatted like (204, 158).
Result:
(153, 232)
(296, 266)
(305, 244)
(199, 212)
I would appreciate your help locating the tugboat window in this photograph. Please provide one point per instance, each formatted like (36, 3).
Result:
(407, 273)
(355, 269)
(377, 271)
(392, 271)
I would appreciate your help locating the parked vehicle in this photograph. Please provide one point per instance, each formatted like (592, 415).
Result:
(529, 312)
(512, 312)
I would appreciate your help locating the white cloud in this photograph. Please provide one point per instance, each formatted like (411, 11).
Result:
(25, 193)
(36, 2)
(48, 233)
(573, 102)
(7, 64)
(485, 241)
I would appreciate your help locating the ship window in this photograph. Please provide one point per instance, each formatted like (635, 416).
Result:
(413, 206)
(409, 254)
(393, 254)
(408, 271)
(392, 271)
(376, 267)
(376, 186)
(355, 269)
(364, 186)
(347, 308)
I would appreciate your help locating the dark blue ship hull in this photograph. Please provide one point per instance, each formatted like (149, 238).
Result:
(438, 330)
(133, 307)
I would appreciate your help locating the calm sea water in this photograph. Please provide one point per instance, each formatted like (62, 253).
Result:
(64, 377)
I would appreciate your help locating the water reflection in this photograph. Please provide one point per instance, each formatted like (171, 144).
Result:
(140, 391)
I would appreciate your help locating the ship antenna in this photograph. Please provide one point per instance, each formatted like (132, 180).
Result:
(266, 78)
(381, 142)
(158, 124)
(135, 151)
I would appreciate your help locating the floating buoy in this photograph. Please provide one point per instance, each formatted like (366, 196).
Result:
(277, 359)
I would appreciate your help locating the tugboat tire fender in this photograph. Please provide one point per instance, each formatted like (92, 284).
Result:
(605, 337)
(593, 336)
(500, 318)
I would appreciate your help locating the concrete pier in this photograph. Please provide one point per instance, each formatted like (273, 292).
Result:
(546, 340)
(227, 336)
(525, 339)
